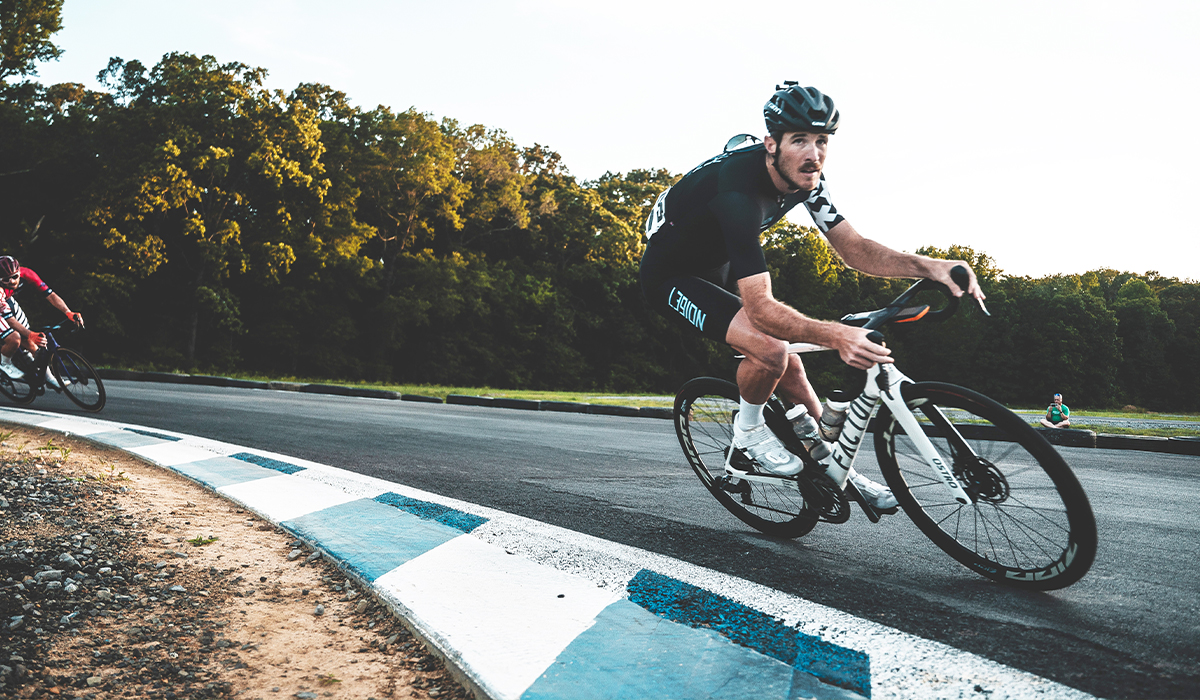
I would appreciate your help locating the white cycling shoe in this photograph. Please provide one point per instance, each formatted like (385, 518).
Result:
(52, 381)
(761, 445)
(12, 370)
(879, 496)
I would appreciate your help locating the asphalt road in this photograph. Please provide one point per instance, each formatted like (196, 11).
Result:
(1129, 629)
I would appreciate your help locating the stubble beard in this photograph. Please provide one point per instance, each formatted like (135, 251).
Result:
(782, 171)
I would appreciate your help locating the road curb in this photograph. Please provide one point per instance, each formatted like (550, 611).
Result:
(519, 609)
(1062, 437)
(1068, 437)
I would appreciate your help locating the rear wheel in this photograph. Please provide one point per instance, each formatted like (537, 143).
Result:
(1029, 523)
(704, 413)
(77, 379)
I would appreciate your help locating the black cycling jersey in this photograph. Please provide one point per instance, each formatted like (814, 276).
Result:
(704, 236)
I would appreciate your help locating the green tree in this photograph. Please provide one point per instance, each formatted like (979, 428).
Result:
(25, 30)
(1146, 333)
(202, 169)
(631, 196)
(1181, 302)
(488, 164)
(408, 184)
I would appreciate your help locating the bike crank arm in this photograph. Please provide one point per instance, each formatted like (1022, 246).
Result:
(924, 445)
(760, 478)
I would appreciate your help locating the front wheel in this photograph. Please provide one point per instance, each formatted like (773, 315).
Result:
(704, 413)
(1029, 523)
(77, 379)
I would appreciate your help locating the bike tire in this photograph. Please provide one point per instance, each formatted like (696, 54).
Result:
(704, 412)
(78, 380)
(19, 392)
(1030, 524)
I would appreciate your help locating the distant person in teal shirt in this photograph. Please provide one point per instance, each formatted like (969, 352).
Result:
(1057, 415)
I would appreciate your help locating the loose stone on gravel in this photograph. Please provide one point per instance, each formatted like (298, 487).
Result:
(97, 601)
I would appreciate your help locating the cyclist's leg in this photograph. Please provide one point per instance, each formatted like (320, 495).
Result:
(768, 368)
(766, 359)
(707, 308)
(694, 304)
(10, 341)
(795, 387)
(20, 317)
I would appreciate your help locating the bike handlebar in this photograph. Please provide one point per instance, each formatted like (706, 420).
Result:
(899, 311)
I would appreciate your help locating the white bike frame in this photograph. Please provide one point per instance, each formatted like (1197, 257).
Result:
(858, 416)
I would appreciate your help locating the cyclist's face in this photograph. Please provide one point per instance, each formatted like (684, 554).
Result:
(10, 281)
(798, 158)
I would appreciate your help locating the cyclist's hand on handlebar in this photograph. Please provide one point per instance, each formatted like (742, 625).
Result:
(76, 318)
(941, 273)
(857, 351)
(39, 339)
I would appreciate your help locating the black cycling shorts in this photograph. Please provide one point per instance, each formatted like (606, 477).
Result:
(695, 303)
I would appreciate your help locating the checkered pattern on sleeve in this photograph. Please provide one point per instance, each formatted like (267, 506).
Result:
(824, 214)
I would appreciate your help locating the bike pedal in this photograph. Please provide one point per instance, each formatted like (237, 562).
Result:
(853, 494)
(738, 464)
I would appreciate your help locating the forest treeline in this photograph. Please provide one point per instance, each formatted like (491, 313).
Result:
(203, 222)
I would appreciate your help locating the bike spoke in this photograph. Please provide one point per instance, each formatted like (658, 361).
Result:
(704, 421)
(1021, 523)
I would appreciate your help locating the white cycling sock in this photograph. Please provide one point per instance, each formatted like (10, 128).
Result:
(750, 415)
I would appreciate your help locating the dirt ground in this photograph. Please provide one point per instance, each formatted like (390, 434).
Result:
(122, 579)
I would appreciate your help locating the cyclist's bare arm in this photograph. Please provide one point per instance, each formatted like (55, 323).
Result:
(874, 258)
(34, 339)
(57, 302)
(778, 320)
(16, 326)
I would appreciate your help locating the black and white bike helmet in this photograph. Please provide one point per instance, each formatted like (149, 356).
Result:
(795, 108)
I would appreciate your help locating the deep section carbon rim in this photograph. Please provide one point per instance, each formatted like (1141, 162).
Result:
(704, 412)
(78, 380)
(1030, 523)
(19, 392)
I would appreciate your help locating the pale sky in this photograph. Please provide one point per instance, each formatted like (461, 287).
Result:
(1054, 136)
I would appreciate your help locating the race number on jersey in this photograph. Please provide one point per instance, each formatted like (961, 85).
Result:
(658, 214)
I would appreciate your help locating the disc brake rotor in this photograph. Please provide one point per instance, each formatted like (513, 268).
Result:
(982, 480)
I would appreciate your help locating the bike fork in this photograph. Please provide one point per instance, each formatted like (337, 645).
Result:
(890, 383)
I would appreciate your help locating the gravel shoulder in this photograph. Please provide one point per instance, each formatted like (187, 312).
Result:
(122, 579)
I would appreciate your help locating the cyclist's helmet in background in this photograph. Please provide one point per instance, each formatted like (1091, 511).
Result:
(795, 108)
(9, 266)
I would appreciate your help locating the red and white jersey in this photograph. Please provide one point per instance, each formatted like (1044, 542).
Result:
(33, 280)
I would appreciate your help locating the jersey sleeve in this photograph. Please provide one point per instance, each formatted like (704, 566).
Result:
(32, 279)
(740, 219)
(824, 214)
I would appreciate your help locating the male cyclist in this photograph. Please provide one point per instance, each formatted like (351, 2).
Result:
(14, 278)
(704, 267)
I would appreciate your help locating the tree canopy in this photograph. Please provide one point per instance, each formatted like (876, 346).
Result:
(25, 30)
(205, 222)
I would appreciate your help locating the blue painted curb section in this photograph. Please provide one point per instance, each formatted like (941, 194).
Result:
(524, 610)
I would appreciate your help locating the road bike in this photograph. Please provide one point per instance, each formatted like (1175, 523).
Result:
(980, 482)
(73, 375)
